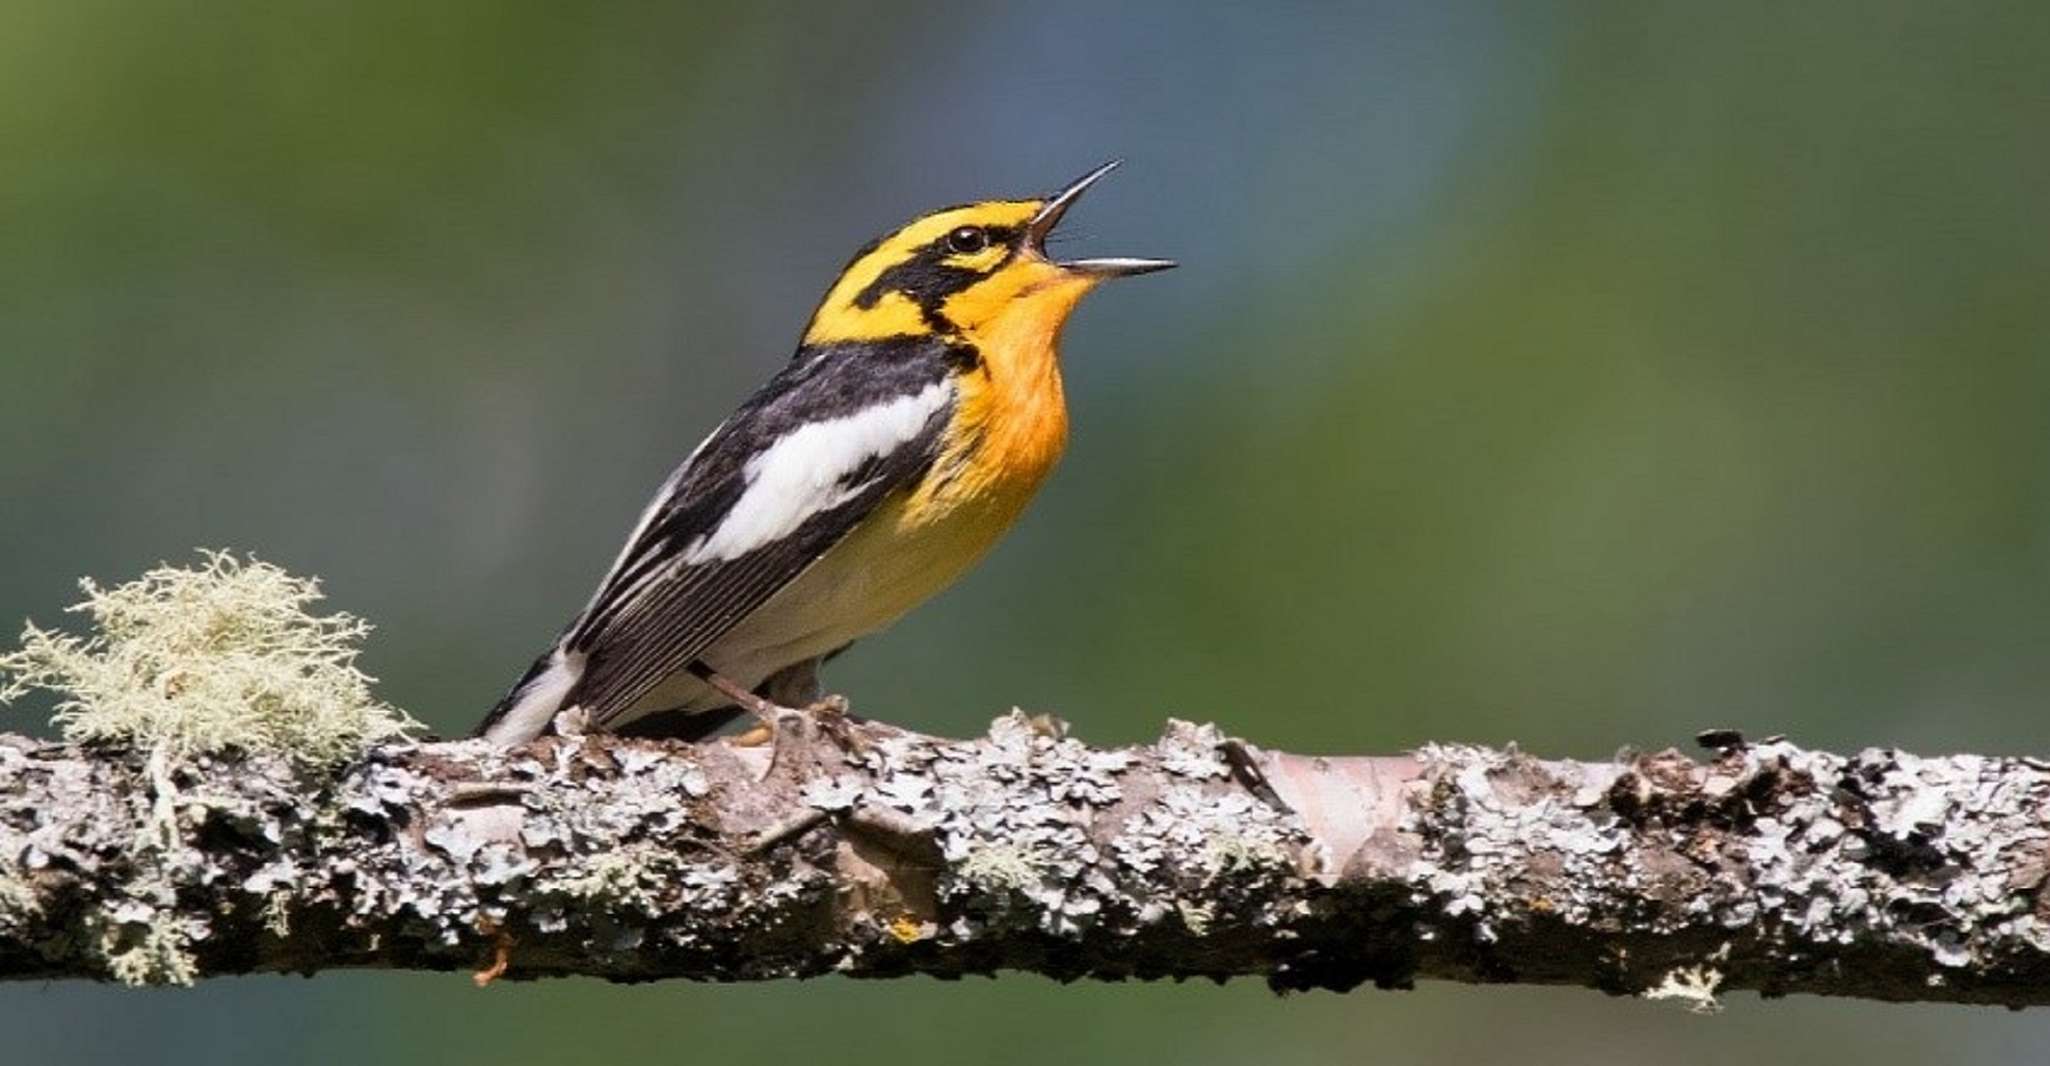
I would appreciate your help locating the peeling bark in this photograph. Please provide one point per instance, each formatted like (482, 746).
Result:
(858, 848)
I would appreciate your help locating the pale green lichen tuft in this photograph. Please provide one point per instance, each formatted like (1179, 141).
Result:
(623, 877)
(277, 914)
(224, 656)
(996, 867)
(153, 953)
(1226, 853)
(18, 903)
(1692, 987)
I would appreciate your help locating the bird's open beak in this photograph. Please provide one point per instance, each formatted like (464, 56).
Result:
(1042, 224)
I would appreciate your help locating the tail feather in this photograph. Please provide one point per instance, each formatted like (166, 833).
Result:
(534, 701)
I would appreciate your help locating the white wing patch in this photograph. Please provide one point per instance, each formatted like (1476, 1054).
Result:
(800, 475)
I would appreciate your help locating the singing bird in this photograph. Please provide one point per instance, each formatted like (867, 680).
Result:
(922, 411)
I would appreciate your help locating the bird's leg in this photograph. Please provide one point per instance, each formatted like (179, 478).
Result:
(768, 715)
(797, 685)
(725, 686)
(791, 691)
(793, 688)
(764, 709)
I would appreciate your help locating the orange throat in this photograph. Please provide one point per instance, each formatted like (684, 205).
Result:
(1025, 417)
(1011, 421)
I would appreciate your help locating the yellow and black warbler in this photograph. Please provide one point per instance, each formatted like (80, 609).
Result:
(921, 412)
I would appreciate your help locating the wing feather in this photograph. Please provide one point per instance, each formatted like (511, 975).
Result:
(762, 499)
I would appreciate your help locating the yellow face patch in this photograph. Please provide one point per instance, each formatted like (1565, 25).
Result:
(1027, 289)
(897, 286)
(981, 262)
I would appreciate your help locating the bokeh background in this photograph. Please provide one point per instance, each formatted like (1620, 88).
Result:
(1580, 375)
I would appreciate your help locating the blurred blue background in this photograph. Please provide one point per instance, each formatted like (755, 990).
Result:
(1580, 375)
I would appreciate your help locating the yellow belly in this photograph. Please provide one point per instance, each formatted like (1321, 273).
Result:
(885, 567)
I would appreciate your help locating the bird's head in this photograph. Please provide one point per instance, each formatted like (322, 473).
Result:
(973, 271)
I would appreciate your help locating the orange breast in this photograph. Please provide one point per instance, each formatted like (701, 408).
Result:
(1009, 428)
(1011, 417)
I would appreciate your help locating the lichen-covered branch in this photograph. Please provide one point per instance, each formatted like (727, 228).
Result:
(859, 848)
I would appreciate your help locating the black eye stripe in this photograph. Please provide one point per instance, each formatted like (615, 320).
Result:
(928, 277)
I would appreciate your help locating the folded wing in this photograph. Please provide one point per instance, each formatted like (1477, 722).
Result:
(801, 464)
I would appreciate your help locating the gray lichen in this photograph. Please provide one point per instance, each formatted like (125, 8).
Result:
(1797, 857)
(868, 850)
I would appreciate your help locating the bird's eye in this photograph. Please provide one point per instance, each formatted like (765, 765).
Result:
(968, 239)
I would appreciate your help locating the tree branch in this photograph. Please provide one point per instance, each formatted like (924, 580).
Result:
(863, 849)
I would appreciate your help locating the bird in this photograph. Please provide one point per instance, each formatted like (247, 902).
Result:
(922, 411)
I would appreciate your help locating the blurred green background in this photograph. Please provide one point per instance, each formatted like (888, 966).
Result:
(1580, 375)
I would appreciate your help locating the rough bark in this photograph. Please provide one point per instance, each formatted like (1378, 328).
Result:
(867, 850)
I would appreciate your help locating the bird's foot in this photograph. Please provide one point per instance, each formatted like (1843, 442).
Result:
(789, 732)
(830, 714)
(827, 714)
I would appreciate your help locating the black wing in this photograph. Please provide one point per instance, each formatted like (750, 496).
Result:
(658, 610)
